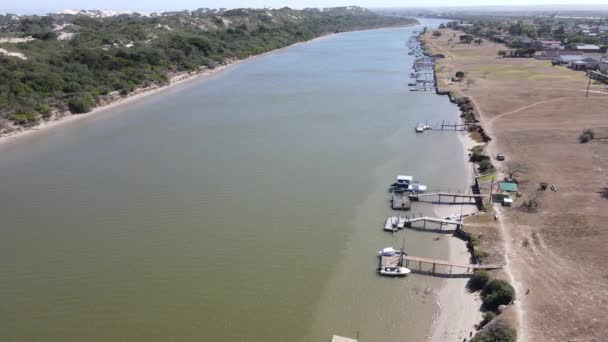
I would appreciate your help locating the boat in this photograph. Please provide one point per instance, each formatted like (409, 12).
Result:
(388, 251)
(402, 183)
(414, 89)
(391, 224)
(419, 129)
(417, 187)
(395, 271)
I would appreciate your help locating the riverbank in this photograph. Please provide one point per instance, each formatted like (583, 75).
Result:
(139, 93)
(526, 106)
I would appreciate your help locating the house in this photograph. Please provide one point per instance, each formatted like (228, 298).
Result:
(602, 71)
(566, 59)
(584, 64)
(548, 45)
(588, 48)
(603, 28)
(550, 55)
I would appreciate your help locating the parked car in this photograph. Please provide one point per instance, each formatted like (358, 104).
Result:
(500, 157)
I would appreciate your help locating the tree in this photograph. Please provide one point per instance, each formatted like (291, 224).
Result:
(512, 169)
(479, 280)
(469, 82)
(502, 53)
(496, 331)
(498, 292)
(466, 39)
(442, 26)
(459, 75)
(586, 136)
(478, 41)
(485, 166)
(436, 34)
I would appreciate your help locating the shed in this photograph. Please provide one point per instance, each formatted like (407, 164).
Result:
(507, 186)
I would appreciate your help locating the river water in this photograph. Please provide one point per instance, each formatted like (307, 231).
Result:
(247, 206)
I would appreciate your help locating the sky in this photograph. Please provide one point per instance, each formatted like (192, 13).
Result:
(39, 6)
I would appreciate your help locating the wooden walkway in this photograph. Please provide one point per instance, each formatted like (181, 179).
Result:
(393, 261)
(471, 198)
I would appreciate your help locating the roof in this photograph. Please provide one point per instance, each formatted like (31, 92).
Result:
(587, 47)
(550, 42)
(570, 58)
(560, 53)
(508, 186)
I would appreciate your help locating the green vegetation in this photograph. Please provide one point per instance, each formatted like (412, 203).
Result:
(478, 281)
(487, 318)
(485, 166)
(459, 75)
(586, 136)
(110, 57)
(496, 331)
(496, 293)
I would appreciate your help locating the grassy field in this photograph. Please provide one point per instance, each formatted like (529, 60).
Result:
(535, 113)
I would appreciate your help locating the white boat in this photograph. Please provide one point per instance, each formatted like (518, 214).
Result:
(394, 271)
(388, 251)
(402, 183)
(416, 187)
(419, 128)
(391, 224)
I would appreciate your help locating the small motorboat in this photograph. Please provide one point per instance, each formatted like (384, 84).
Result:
(419, 128)
(394, 271)
(417, 187)
(391, 224)
(388, 251)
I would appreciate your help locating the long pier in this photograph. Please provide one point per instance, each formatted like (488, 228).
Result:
(472, 198)
(468, 269)
(436, 220)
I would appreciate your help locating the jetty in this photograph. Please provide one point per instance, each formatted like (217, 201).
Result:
(448, 267)
(436, 220)
(470, 198)
(401, 201)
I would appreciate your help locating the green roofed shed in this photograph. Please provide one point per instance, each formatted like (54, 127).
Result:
(508, 186)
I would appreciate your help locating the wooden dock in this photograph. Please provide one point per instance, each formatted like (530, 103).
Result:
(401, 201)
(436, 220)
(471, 198)
(393, 261)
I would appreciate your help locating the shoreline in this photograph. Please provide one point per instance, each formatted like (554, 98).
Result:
(459, 311)
(141, 93)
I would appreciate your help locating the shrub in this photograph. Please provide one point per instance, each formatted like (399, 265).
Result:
(586, 136)
(24, 119)
(497, 331)
(479, 280)
(436, 34)
(487, 318)
(496, 293)
(81, 104)
(479, 255)
(477, 154)
(460, 75)
(486, 166)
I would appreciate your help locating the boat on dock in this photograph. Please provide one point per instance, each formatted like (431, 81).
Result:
(393, 270)
(402, 183)
(391, 224)
(417, 187)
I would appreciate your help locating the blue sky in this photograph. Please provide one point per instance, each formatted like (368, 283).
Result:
(156, 5)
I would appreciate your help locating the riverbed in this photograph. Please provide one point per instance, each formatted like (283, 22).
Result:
(246, 206)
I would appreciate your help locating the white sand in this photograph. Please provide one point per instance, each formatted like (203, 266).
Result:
(459, 310)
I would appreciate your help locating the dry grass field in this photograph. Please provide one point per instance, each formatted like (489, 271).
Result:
(535, 112)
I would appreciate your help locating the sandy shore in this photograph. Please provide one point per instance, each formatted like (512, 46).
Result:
(459, 310)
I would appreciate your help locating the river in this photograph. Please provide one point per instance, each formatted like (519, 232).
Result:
(247, 206)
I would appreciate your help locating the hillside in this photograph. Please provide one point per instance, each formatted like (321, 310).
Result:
(76, 60)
